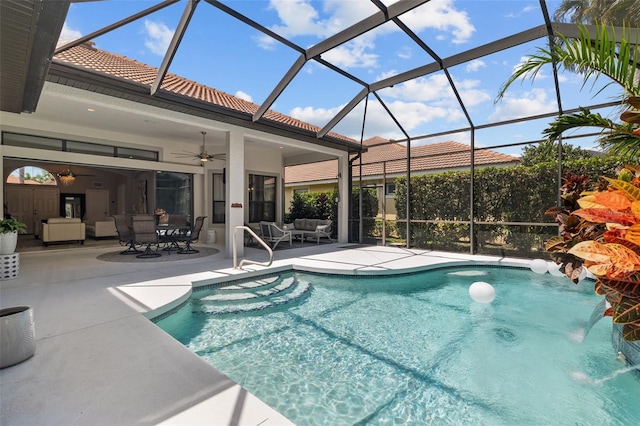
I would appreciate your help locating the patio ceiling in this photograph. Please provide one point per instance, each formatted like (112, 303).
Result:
(40, 24)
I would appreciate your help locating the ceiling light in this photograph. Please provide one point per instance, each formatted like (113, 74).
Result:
(66, 177)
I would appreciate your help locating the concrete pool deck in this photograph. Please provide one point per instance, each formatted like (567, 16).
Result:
(100, 361)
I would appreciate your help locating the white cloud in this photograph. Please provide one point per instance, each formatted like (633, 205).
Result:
(526, 9)
(300, 18)
(436, 90)
(404, 53)
(158, 37)
(441, 15)
(354, 54)
(68, 35)
(530, 103)
(242, 95)
(410, 115)
(475, 65)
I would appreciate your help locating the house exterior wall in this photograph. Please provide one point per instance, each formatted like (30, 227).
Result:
(262, 155)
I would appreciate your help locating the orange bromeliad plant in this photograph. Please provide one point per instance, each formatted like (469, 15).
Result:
(600, 231)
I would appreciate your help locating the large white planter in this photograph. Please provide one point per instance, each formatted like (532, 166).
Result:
(8, 242)
(17, 335)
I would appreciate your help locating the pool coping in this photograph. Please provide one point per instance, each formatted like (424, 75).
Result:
(230, 275)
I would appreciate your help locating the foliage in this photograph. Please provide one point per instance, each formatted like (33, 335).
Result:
(40, 178)
(369, 211)
(593, 57)
(322, 205)
(600, 230)
(614, 12)
(302, 206)
(12, 225)
(510, 194)
(547, 151)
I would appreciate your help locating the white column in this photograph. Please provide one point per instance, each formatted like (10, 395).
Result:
(343, 205)
(235, 191)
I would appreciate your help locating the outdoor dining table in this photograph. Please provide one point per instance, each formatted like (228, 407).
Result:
(170, 235)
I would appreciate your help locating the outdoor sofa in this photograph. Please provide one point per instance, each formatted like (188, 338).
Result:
(310, 228)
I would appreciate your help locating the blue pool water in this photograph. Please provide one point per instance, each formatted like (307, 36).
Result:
(415, 349)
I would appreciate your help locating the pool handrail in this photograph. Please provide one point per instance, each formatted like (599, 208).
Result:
(258, 239)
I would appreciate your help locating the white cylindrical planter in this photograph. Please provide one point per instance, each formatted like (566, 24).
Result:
(8, 242)
(211, 236)
(17, 335)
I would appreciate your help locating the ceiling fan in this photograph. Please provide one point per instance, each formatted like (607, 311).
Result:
(67, 177)
(203, 155)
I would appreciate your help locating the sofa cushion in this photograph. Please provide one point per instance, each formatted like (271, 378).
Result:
(63, 220)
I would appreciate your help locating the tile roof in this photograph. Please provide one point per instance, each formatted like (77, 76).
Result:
(95, 60)
(424, 158)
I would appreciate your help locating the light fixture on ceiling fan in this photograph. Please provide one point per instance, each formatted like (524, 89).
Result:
(66, 176)
(203, 155)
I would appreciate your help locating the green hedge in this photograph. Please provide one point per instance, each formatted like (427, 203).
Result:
(510, 194)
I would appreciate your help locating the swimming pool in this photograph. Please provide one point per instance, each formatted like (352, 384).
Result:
(414, 349)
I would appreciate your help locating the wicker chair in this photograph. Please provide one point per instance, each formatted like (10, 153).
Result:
(192, 237)
(125, 235)
(144, 233)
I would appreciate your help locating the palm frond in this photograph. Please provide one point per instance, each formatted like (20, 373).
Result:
(591, 55)
(584, 118)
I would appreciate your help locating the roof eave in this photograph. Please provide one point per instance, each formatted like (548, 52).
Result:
(90, 80)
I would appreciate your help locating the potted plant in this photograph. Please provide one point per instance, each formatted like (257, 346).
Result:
(600, 222)
(9, 230)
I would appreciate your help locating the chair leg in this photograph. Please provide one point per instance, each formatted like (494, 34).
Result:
(131, 249)
(187, 249)
(148, 253)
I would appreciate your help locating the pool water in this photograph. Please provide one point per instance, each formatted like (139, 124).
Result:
(415, 349)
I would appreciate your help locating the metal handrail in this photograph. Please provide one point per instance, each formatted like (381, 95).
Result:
(258, 239)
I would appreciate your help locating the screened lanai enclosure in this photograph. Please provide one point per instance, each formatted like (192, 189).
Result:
(395, 77)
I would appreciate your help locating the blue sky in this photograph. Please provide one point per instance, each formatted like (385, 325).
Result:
(222, 52)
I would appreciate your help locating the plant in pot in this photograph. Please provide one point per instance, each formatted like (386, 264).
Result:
(9, 230)
(600, 223)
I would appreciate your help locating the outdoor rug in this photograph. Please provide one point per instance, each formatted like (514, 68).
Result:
(115, 256)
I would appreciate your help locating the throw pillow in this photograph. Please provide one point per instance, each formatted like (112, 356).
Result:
(321, 228)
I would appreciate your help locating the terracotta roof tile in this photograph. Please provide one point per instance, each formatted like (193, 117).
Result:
(424, 158)
(88, 57)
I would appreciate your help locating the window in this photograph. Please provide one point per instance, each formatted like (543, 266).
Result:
(174, 192)
(38, 142)
(31, 175)
(390, 189)
(301, 191)
(262, 198)
(218, 198)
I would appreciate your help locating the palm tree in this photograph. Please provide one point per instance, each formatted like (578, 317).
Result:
(594, 57)
(613, 12)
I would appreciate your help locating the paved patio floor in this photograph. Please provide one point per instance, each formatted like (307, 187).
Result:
(100, 361)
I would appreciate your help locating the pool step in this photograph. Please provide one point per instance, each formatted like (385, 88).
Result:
(253, 298)
(258, 291)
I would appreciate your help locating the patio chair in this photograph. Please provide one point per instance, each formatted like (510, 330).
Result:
(145, 233)
(192, 237)
(125, 235)
(272, 234)
(178, 220)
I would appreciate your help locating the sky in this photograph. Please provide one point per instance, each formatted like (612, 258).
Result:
(222, 52)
